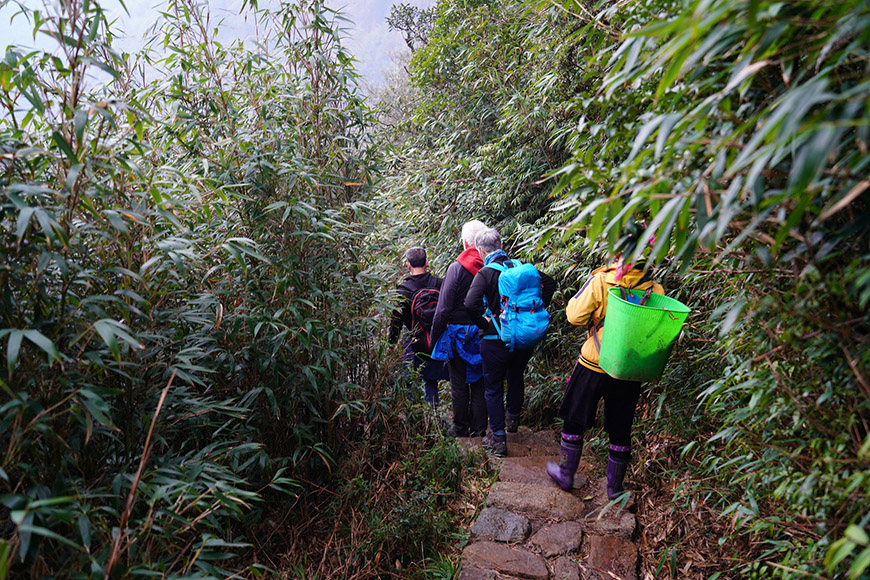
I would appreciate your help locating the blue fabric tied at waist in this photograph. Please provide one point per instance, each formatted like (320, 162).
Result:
(461, 340)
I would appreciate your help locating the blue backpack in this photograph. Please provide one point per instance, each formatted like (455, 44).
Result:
(523, 320)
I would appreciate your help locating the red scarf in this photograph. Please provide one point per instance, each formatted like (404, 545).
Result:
(470, 260)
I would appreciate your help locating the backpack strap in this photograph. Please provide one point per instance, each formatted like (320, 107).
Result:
(647, 277)
(498, 267)
(488, 313)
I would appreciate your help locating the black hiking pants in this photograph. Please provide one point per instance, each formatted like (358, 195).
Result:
(501, 366)
(580, 403)
(469, 404)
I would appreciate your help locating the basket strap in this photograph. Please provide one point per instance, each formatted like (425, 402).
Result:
(594, 328)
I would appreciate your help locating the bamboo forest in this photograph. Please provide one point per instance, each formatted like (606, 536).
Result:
(201, 243)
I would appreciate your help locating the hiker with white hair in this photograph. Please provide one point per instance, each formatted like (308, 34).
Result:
(459, 342)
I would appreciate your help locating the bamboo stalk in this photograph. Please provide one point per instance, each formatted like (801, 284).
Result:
(121, 538)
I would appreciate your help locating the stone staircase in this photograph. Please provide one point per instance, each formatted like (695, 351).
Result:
(532, 529)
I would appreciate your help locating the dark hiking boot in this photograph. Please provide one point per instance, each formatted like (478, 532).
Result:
(511, 424)
(455, 431)
(615, 476)
(569, 458)
(495, 445)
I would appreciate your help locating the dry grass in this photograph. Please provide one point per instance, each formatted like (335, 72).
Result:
(681, 531)
(351, 530)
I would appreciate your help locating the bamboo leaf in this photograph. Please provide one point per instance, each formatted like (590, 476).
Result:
(667, 124)
(673, 71)
(794, 216)
(812, 158)
(42, 342)
(84, 526)
(24, 216)
(735, 310)
(13, 346)
(23, 519)
(46, 533)
(80, 121)
(839, 551)
(96, 406)
(597, 222)
(107, 333)
(64, 146)
(5, 558)
(860, 564)
(743, 72)
(102, 66)
(858, 535)
(248, 247)
(642, 137)
(117, 221)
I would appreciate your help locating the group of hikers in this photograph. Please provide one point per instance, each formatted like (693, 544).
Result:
(478, 327)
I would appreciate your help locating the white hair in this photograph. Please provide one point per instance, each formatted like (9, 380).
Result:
(470, 231)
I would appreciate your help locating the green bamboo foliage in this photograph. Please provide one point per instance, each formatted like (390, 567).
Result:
(480, 141)
(738, 130)
(176, 266)
(748, 144)
(746, 103)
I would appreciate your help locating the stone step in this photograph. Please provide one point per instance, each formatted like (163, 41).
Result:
(482, 557)
(527, 443)
(536, 501)
(549, 503)
(609, 557)
(498, 525)
(533, 529)
(533, 470)
(558, 539)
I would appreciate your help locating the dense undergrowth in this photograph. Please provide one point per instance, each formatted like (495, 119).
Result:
(189, 315)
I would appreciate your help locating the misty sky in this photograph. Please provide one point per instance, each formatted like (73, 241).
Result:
(369, 38)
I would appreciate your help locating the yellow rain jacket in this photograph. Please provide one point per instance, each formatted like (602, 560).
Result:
(589, 305)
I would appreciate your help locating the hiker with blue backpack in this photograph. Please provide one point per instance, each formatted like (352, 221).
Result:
(419, 293)
(507, 300)
(589, 383)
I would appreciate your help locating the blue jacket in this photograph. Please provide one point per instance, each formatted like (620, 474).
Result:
(462, 340)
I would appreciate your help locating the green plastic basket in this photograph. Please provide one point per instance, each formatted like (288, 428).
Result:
(638, 340)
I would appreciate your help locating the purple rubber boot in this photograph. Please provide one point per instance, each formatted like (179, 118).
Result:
(615, 475)
(563, 472)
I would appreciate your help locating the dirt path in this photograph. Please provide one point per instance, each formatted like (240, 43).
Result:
(532, 529)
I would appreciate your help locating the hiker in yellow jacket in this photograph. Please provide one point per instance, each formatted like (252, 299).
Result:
(589, 383)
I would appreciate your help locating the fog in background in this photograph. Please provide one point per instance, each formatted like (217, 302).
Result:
(367, 36)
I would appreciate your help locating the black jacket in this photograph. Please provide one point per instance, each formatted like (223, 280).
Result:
(485, 283)
(410, 286)
(451, 303)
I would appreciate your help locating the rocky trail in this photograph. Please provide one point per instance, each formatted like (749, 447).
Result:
(530, 528)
